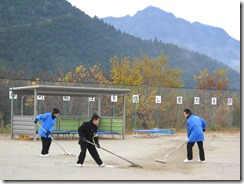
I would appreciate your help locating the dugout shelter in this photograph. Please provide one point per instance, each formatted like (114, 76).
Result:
(24, 124)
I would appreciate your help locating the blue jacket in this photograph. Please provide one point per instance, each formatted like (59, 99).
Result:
(47, 123)
(203, 123)
(194, 129)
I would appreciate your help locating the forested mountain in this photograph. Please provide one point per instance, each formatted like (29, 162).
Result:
(45, 36)
(153, 22)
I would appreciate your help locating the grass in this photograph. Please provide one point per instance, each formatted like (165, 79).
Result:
(5, 129)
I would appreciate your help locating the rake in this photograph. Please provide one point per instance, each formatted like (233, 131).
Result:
(133, 164)
(65, 151)
(163, 160)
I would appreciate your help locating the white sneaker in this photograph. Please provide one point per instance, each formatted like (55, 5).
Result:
(187, 161)
(202, 161)
(102, 165)
(46, 155)
(79, 165)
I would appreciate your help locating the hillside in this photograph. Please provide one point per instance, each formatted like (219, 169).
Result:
(153, 23)
(45, 36)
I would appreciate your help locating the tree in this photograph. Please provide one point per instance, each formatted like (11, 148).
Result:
(81, 74)
(145, 71)
(218, 80)
(123, 73)
(155, 72)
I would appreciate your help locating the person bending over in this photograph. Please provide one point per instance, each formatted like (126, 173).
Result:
(48, 121)
(195, 135)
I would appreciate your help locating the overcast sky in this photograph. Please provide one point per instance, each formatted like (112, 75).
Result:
(218, 13)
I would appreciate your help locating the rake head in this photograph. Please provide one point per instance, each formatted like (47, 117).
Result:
(161, 161)
(67, 153)
(136, 165)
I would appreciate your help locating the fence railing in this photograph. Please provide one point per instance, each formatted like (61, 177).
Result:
(146, 107)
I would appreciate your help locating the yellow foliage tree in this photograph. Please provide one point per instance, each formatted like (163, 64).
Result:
(218, 80)
(123, 73)
(145, 71)
(81, 74)
(155, 72)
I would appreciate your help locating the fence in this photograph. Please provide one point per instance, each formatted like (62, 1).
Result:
(146, 107)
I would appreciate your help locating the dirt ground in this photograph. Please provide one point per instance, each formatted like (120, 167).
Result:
(20, 160)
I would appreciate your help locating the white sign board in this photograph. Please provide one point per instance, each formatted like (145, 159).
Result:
(40, 97)
(179, 99)
(114, 98)
(229, 101)
(197, 100)
(158, 99)
(91, 99)
(66, 98)
(214, 101)
(135, 98)
(11, 95)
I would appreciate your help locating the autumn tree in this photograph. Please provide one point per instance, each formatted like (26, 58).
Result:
(143, 71)
(123, 72)
(85, 75)
(155, 72)
(218, 80)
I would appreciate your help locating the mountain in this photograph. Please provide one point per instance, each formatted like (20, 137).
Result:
(46, 36)
(153, 22)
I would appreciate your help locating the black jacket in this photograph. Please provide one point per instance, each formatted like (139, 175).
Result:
(89, 131)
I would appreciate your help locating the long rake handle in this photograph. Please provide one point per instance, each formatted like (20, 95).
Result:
(115, 154)
(174, 150)
(54, 139)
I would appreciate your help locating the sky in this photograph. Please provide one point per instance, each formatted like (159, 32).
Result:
(224, 14)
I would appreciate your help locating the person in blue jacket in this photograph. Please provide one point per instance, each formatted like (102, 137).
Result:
(48, 121)
(195, 127)
(203, 123)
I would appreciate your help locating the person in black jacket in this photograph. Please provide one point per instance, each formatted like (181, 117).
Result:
(88, 131)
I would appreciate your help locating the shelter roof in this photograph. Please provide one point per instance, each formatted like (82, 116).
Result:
(67, 91)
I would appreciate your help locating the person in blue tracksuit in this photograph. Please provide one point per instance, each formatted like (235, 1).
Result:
(195, 128)
(204, 125)
(48, 121)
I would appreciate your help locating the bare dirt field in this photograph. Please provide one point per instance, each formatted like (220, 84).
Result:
(20, 160)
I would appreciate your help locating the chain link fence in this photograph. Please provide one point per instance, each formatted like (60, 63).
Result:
(155, 107)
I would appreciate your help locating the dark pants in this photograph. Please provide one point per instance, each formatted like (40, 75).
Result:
(46, 143)
(93, 152)
(200, 147)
